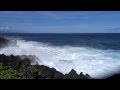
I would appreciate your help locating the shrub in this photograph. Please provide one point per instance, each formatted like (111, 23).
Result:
(8, 73)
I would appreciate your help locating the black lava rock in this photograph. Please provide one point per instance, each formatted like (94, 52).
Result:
(4, 42)
(116, 76)
(37, 71)
(73, 75)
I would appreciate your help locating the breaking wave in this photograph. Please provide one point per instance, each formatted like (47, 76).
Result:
(97, 63)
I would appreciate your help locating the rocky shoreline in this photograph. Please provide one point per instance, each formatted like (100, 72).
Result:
(22, 64)
(24, 67)
(29, 71)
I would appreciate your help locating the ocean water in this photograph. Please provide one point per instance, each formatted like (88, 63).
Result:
(95, 54)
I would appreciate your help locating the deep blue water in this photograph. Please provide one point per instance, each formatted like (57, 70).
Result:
(94, 40)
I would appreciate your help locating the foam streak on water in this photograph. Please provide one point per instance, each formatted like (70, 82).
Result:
(97, 63)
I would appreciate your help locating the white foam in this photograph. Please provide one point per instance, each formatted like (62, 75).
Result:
(97, 63)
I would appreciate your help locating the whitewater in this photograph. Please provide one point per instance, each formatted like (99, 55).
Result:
(97, 63)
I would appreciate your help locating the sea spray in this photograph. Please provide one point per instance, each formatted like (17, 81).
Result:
(96, 62)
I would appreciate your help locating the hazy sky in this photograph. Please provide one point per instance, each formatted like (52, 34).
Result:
(60, 21)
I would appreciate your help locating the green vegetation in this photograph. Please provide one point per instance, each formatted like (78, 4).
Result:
(8, 73)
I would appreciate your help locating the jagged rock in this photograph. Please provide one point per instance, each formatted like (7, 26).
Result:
(116, 76)
(37, 71)
(73, 75)
(23, 65)
(57, 75)
(33, 59)
(4, 42)
(87, 75)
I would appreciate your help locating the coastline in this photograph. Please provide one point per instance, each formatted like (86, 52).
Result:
(28, 71)
(20, 67)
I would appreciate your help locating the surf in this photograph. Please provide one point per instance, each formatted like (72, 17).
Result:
(97, 63)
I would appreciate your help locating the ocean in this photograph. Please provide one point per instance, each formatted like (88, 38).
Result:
(97, 54)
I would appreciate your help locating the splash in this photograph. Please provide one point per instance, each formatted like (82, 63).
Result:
(96, 62)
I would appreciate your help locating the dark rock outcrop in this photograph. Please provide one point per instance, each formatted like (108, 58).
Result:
(5, 42)
(116, 76)
(23, 65)
(37, 71)
(33, 59)
(73, 75)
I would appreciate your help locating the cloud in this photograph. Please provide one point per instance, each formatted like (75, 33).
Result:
(4, 28)
(113, 29)
(62, 15)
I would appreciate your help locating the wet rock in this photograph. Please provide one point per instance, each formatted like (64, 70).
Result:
(37, 71)
(23, 65)
(33, 59)
(116, 76)
(73, 75)
(4, 42)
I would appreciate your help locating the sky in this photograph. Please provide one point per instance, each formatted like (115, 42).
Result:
(60, 21)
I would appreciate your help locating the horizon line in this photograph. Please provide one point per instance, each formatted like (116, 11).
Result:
(56, 33)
